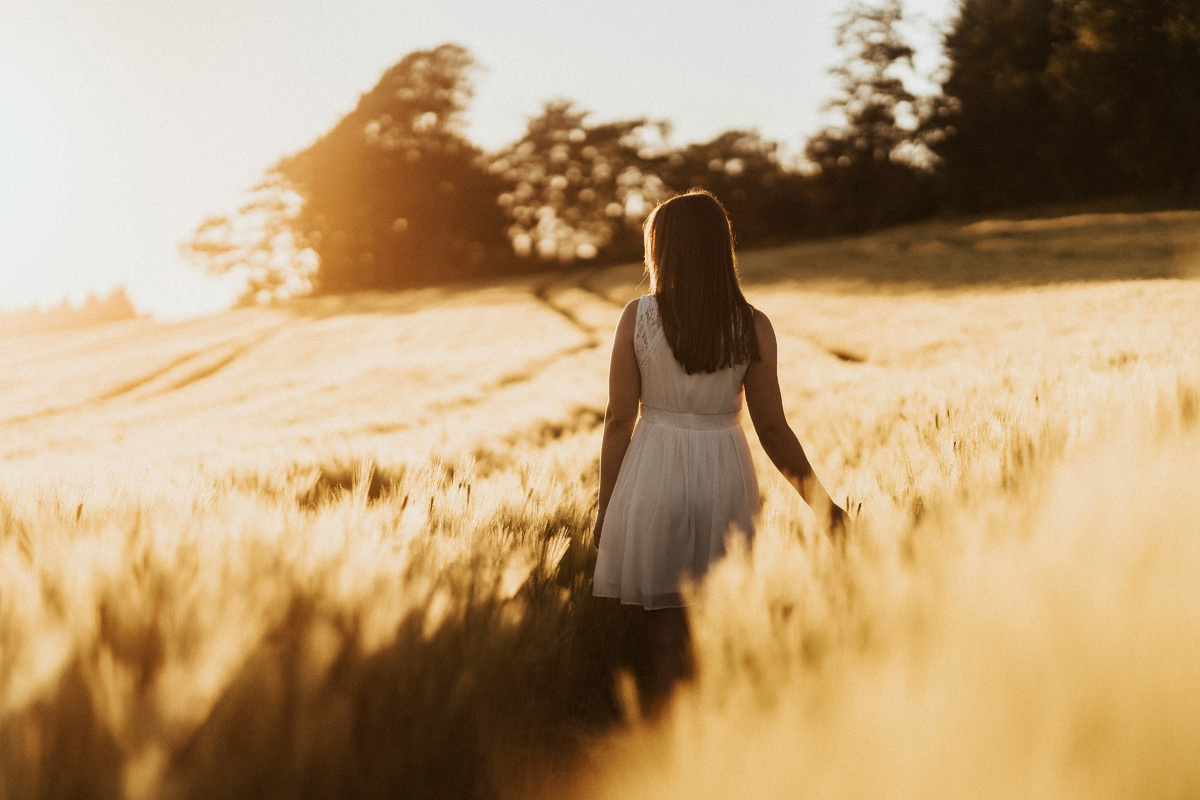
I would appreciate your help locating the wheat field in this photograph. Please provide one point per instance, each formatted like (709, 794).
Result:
(341, 547)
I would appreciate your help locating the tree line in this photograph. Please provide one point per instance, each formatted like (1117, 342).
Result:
(1040, 101)
(94, 309)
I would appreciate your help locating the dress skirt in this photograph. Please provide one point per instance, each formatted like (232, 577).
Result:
(686, 483)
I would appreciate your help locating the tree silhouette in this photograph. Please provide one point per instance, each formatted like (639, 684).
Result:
(580, 191)
(999, 148)
(395, 195)
(1067, 100)
(92, 311)
(1128, 76)
(869, 167)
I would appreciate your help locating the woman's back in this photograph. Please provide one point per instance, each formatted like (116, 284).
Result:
(665, 383)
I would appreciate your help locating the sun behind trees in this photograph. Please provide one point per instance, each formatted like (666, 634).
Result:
(394, 194)
(1041, 102)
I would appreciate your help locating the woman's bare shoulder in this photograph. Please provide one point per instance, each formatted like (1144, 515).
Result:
(762, 324)
(628, 320)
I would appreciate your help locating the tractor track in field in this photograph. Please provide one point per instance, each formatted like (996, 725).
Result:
(543, 293)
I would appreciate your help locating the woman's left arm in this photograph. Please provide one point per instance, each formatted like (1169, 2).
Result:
(624, 392)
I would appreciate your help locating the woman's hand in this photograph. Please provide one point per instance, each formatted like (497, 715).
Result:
(596, 529)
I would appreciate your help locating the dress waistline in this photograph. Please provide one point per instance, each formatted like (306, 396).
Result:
(691, 422)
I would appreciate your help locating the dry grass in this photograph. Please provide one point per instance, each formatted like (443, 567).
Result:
(340, 547)
(1044, 644)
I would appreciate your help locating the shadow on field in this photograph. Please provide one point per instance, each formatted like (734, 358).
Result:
(477, 709)
(495, 701)
(59, 748)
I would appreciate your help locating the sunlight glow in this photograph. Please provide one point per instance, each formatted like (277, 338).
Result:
(123, 126)
(36, 180)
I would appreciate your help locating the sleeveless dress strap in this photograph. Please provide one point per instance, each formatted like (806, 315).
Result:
(648, 330)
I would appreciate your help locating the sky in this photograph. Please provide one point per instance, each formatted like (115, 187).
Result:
(124, 123)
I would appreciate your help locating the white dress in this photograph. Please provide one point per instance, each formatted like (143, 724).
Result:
(686, 482)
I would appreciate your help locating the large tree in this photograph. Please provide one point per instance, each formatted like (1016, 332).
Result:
(395, 195)
(1071, 99)
(1000, 145)
(580, 191)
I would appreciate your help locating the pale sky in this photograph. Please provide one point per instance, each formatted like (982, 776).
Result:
(123, 123)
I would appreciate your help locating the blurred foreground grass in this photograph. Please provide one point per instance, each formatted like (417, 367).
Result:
(340, 548)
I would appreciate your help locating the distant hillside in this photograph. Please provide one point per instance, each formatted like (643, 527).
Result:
(92, 311)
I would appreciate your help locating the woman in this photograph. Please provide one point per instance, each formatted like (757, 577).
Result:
(675, 485)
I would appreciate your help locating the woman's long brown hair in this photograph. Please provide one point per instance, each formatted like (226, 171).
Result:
(693, 274)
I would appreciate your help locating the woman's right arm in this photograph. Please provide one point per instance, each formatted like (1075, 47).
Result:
(765, 402)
